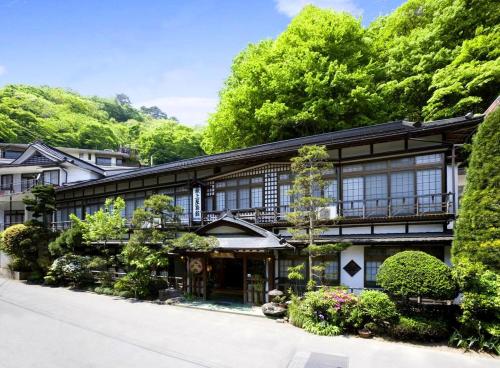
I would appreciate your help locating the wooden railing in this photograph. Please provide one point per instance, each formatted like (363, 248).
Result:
(419, 205)
(401, 206)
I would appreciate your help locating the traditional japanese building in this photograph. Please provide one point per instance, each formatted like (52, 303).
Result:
(394, 186)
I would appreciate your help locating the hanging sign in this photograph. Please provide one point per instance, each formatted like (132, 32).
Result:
(197, 203)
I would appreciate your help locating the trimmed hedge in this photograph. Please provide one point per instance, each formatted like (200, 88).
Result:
(378, 308)
(415, 273)
(419, 329)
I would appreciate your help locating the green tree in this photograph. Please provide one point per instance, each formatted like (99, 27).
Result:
(154, 228)
(41, 203)
(437, 58)
(476, 245)
(105, 224)
(314, 77)
(309, 169)
(167, 141)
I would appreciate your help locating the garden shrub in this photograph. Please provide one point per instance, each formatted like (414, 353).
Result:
(416, 274)
(68, 241)
(323, 312)
(419, 328)
(476, 244)
(26, 244)
(17, 242)
(72, 269)
(376, 307)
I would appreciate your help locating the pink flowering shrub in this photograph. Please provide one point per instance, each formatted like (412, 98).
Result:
(328, 311)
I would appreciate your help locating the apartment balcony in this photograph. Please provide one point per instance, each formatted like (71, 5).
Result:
(379, 209)
(17, 189)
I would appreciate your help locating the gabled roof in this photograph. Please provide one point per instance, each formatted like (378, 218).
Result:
(54, 155)
(394, 130)
(234, 233)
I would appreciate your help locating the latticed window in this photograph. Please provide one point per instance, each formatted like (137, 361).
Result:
(402, 192)
(428, 185)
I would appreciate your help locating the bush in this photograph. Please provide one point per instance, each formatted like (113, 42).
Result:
(17, 242)
(72, 269)
(378, 308)
(419, 329)
(323, 312)
(67, 242)
(416, 274)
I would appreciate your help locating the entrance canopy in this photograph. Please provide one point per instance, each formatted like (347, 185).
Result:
(237, 234)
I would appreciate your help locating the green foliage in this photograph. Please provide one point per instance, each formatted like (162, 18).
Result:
(27, 245)
(64, 118)
(376, 307)
(428, 59)
(72, 269)
(69, 241)
(314, 77)
(192, 241)
(479, 340)
(477, 232)
(158, 221)
(147, 250)
(328, 311)
(309, 168)
(105, 224)
(476, 245)
(42, 202)
(419, 329)
(415, 273)
(167, 141)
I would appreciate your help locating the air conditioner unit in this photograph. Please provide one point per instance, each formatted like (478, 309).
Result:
(327, 213)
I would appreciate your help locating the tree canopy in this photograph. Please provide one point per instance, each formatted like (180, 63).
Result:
(428, 59)
(66, 119)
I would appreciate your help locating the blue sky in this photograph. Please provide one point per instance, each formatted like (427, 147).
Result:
(174, 54)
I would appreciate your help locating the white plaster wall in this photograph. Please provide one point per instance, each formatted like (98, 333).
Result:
(4, 260)
(389, 229)
(77, 174)
(357, 254)
(425, 228)
(356, 230)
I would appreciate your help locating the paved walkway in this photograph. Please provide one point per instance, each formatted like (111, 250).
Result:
(54, 327)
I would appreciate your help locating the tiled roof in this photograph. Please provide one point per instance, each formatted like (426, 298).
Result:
(395, 128)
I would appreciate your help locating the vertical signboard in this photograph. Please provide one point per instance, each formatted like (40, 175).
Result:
(197, 203)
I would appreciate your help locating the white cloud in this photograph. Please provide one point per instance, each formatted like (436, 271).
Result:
(3, 70)
(293, 7)
(189, 110)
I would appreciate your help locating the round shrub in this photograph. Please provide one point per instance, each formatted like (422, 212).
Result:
(415, 273)
(70, 268)
(16, 241)
(419, 329)
(378, 308)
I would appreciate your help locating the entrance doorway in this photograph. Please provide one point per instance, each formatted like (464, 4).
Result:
(225, 279)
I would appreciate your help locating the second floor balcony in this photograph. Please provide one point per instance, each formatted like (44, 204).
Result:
(419, 206)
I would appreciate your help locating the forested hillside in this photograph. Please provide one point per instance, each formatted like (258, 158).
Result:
(429, 59)
(63, 118)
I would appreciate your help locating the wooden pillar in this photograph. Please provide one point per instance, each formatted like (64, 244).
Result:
(205, 277)
(270, 271)
(245, 286)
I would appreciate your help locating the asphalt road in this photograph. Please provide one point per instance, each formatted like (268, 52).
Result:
(55, 327)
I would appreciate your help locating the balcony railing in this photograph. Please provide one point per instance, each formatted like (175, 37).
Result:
(21, 186)
(419, 205)
(382, 208)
